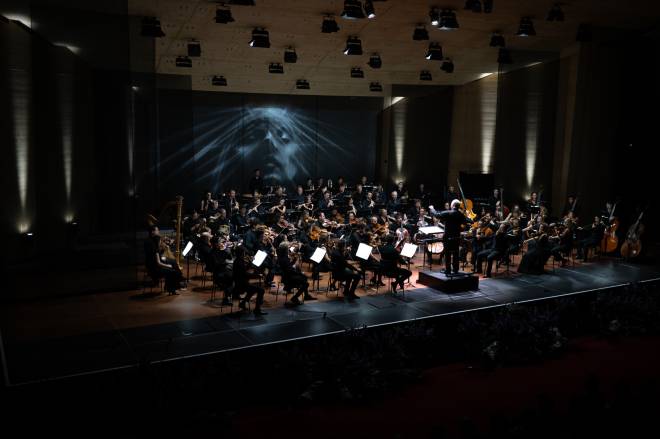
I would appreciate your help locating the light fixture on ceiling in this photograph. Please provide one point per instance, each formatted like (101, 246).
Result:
(242, 2)
(369, 9)
(448, 20)
(447, 66)
(375, 87)
(290, 55)
(183, 61)
(353, 46)
(434, 53)
(435, 16)
(219, 81)
(223, 16)
(275, 67)
(497, 40)
(329, 25)
(420, 33)
(425, 75)
(526, 28)
(151, 28)
(352, 10)
(302, 84)
(194, 49)
(555, 13)
(260, 38)
(488, 6)
(375, 62)
(357, 72)
(504, 56)
(473, 5)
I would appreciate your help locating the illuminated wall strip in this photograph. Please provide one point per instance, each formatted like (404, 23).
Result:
(399, 118)
(66, 126)
(488, 101)
(531, 137)
(20, 92)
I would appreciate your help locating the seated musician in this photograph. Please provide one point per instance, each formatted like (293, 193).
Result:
(299, 197)
(571, 206)
(451, 194)
(326, 203)
(367, 202)
(498, 250)
(379, 195)
(256, 182)
(564, 242)
(343, 271)
(216, 262)
(413, 212)
(350, 206)
(221, 220)
(280, 207)
(402, 190)
(394, 203)
(532, 205)
(240, 220)
(494, 200)
(383, 218)
(389, 261)
(241, 277)
(423, 195)
(593, 239)
(158, 265)
(308, 205)
(256, 208)
(342, 194)
(230, 203)
(309, 184)
(537, 254)
(359, 194)
(206, 202)
(213, 210)
(292, 275)
(482, 236)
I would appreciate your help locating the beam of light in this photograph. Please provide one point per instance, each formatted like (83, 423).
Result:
(399, 118)
(531, 136)
(488, 102)
(23, 19)
(20, 96)
(66, 128)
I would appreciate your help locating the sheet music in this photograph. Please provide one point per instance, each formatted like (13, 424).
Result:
(318, 255)
(187, 249)
(259, 258)
(408, 250)
(430, 230)
(363, 251)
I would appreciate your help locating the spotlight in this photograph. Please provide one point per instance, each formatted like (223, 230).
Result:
(555, 13)
(376, 87)
(448, 20)
(375, 62)
(497, 40)
(420, 33)
(473, 5)
(329, 25)
(352, 9)
(526, 28)
(435, 52)
(194, 49)
(290, 55)
(183, 61)
(219, 81)
(435, 17)
(488, 6)
(353, 46)
(151, 28)
(302, 84)
(260, 38)
(357, 72)
(275, 68)
(504, 56)
(584, 33)
(223, 16)
(447, 66)
(369, 9)
(425, 75)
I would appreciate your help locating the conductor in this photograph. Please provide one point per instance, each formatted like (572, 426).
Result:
(453, 219)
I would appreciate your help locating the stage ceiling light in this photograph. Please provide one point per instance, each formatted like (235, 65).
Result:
(526, 28)
(472, 5)
(488, 6)
(420, 33)
(447, 66)
(275, 68)
(219, 81)
(329, 25)
(425, 75)
(434, 52)
(497, 40)
(555, 13)
(223, 16)
(290, 55)
(353, 46)
(194, 49)
(352, 10)
(183, 61)
(448, 20)
(357, 72)
(435, 16)
(369, 9)
(302, 84)
(375, 62)
(151, 28)
(375, 87)
(260, 38)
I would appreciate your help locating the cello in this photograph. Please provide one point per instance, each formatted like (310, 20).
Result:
(632, 246)
(610, 241)
(466, 204)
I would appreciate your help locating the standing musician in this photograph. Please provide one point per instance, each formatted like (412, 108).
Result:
(242, 284)
(343, 271)
(256, 183)
(453, 219)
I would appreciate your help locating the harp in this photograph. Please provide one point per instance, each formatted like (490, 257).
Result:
(171, 207)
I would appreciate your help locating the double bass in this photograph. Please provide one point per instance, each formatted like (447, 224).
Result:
(633, 244)
(610, 241)
(466, 204)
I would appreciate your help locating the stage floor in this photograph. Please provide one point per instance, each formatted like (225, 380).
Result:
(63, 337)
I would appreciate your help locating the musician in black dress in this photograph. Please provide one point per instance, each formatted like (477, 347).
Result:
(343, 271)
(242, 284)
(565, 243)
(593, 239)
(157, 265)
(389, 263)
(452, 219)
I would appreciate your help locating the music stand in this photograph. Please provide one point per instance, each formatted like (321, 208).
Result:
(408, 251)
(186, 250)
